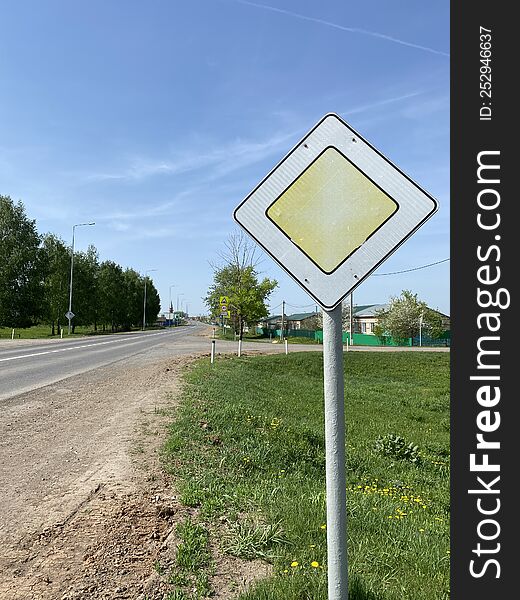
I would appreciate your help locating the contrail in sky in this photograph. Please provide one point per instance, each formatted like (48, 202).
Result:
(382, 36)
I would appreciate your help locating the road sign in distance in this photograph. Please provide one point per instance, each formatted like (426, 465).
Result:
(69, 315)
(333, 210)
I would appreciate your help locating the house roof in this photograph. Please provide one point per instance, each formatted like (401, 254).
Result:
(271, 318)
(300, 316)
(368, 310)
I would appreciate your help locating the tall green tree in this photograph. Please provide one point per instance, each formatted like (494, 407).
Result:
(111, 295)
(405, 315)
(153, 301)
(84, 288)
(238, 279)
(56, 258)
(21, 267)
(133, 298)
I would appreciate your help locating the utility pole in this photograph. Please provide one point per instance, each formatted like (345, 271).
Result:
(351, 318)
(170, 308)
(283, 319)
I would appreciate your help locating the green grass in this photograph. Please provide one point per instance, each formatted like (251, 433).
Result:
(189, 575)
(45, 331)
(256, 337)
(42, 331)
(247, 449)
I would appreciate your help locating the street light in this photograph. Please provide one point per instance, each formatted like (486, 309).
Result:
(70, 314)
(170, 308)
(178, 301)
(144, 302)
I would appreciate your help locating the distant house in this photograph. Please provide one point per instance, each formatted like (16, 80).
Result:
(271, 323)
(301, 321)
(366, 317)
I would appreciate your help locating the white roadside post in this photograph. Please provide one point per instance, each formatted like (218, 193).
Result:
(212, 351)
(286, 346)
(330, 213)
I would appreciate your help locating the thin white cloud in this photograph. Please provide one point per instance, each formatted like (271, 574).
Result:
(220, 159)
(358, 30)
(379, 103)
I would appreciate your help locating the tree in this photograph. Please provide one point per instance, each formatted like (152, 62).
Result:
(238, 280)
(153, 301)
(84, 288)
(133, 299)
(345, 317)
(111, 295)
(56, 257)
(21, 267)
(405, 315)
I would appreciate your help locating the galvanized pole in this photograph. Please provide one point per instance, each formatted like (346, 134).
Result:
(335, 455)
(71, 271)
(283, 319)
(144, 304)
(351, 319)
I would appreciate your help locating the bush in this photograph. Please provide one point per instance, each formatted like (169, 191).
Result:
(396, 446)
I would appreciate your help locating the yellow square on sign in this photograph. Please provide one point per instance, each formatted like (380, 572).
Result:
(331, 209)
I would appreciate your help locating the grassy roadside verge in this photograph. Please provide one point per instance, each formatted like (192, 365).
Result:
(44, 332)
(229, 336)
(247, 450)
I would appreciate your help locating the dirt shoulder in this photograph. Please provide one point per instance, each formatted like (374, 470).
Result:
(73, 464)
(86, 510)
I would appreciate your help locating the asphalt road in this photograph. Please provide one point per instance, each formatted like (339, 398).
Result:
(25, 367)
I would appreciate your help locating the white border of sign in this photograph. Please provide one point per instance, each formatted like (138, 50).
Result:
(415, 207)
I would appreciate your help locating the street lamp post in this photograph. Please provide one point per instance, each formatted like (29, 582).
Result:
(144, 302)
(170, 307)
(178, 295)
(69, 317)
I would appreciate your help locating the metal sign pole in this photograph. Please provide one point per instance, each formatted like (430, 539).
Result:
(335, 455)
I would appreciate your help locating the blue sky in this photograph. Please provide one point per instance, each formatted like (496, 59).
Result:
(155, 119)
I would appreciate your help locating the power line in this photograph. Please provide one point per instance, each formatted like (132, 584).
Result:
(414, 269)
(300, 305)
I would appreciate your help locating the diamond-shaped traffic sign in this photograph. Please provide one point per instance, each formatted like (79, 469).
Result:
(69, 315)
(333, 210)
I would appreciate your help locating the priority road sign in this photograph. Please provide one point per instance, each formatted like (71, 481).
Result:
(330, 213)
(333, 210)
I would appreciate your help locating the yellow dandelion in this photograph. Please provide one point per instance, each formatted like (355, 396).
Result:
(315, 564)
(294, 563)
(323, 526)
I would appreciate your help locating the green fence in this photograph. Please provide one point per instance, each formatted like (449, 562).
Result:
(276, 333)
(360, 339)
(365, 339)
